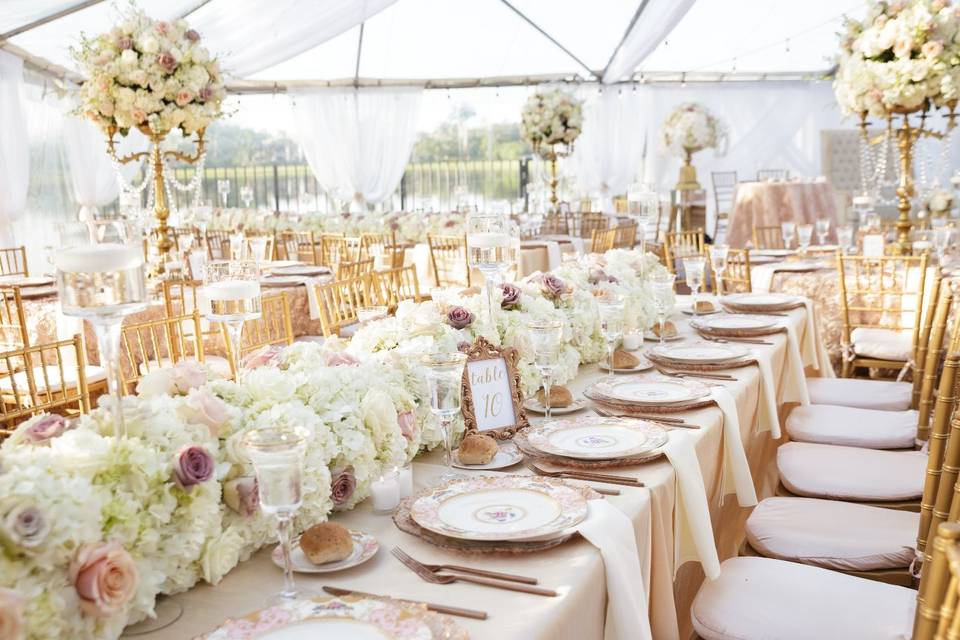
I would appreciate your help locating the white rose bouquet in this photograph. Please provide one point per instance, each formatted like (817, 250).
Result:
(903, 56)
(550, 118)
(149, 74)
(691, 128)
(939, 202)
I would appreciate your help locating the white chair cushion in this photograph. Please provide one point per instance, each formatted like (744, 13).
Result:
(834, 535)
(851, 473)
(853, 427)
(94, 374)
(886, 344)
(885, 395)
(775, 600)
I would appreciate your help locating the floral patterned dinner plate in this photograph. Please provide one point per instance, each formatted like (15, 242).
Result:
(734, 322)
(650, 392)
(702, 352)
(346, 618)
(500, 508)
(592, 438)
(365, 546)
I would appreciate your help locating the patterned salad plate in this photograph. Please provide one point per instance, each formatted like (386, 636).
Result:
(699, 353)
(346, 618)
(760, 302)
(365, 547)
(594, 438)
(500, 508)
(649, 392)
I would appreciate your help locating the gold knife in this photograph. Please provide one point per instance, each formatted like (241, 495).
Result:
(438, 608)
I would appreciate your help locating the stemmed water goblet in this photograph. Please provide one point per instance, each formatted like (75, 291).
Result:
(277, 455)
(788, 230)
(661, 284)
(804, 233)
(100, 278)
(611, 307)
(233, 291)
(823, 229)
(257, 247)
(444, 374)
(845, 237)
(693, 270)
(546, 336)
(718, 258)
(223, 188)
(489, 249)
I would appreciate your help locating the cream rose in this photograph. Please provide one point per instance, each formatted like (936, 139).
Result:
(221, 555)
(105, 577)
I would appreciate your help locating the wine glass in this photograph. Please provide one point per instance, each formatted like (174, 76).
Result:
(100, 278)
(823, 228)
(788, 230)
(277, 455)
(661, 284)
(693, 269)
(845, 237)
(223, 188)
(611, 307)
(489, 250)
(546, 336)
(257, 247)
(804, 235)
(233, 290)
(246, 194)
(444, 374)
(718, 258)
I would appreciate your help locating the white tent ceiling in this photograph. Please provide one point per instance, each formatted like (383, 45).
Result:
(459, 42)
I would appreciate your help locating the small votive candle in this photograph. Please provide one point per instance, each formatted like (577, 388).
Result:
(405, 478)
(632, 340)
(385, 492)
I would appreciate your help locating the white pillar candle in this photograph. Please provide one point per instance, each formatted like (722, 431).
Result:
(632, 340)
(105, 257)
(488, 240)
(406, 481)
(385, 492)
(232, 290)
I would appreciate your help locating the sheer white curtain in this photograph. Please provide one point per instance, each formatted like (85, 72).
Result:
(608, 155)
(357, 141)
(256, 34)
(656, 20)
(14, 147)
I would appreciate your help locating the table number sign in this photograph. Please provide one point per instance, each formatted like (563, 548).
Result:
(492, 399)
(873, 246)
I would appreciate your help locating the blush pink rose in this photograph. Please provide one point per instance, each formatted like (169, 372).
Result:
(45, 429)
(105, 578)
(340, 358)
(207, 409)
(266, 357)
(408, 424)
(242, 495)
(187, 375)
(167, 61)
(192, 35)
(11, 614)
(184, 97)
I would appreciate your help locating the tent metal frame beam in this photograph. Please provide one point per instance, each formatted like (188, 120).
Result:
(556, 42)
(626, 34)
(56, 15)
(356, 70)
(200, 5)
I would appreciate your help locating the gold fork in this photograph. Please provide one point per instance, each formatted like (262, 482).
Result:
(441, 578)
(509, 577)
(588, 476)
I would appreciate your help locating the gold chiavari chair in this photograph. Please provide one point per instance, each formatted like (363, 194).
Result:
(340, 299)
(586, 223)
(773, 174)
(626, 236)
(393, 256)
(154, 344)
(274, 327)
(938, 616)
(44, 378)
(555, 224)
(881, 304)
(376, 244)
(767, 237)
(354, 269)
(333, 249)
(180, 299)
(298, 245)
(397, 285)
(724, 186)
(13, 320)
(448, 257)
(736, 275)
(353, 249)
(602, 240)
(681, 244)
(218, 244)
(13, 261)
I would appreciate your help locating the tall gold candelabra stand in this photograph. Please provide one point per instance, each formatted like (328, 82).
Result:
(688, 173)
(907, 135)
(553, 154)
(156, 155)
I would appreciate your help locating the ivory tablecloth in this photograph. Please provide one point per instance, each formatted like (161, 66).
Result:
(760, 204)
(575, 569)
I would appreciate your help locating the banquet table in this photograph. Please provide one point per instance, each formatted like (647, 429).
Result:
(760, 204)
(575, 569)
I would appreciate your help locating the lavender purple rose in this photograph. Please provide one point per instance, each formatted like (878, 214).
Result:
(193, 465)
(511, 296)
(459, 318)
(343, 482)
(552, 286)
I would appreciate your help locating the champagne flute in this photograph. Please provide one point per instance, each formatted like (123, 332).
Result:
(546, 336)
(823, 228)
(845, 237)
(693, 269)
(277, 455)
(804, 233)
(662, 285)
(223, 188)
(444, 374)
(788, 230)
(611, 307)
(718, 258)
(233, 290)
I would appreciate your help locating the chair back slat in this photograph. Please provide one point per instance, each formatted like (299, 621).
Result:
(448, 257)
(602, 240)
(933, 352)
(682, 244)
(397, 285)
(938, 575)
(767, 237)
(626, 236)
(13, 261)
(13, 320)
(354, 269)
(736, 274)
(339, 301)
(152, 344)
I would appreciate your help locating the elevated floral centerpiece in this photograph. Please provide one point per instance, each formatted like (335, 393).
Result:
(689, 129)
(901, 61)
(155, 76)
(551, 121)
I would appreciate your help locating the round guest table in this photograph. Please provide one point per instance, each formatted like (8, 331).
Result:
(764, 204)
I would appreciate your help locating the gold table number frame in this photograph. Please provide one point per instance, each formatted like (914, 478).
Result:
(502, 360)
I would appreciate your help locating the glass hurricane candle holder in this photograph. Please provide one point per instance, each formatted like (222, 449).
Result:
(788, 230)
(489, 250)
(277, 455)
(718, 258)
(661, 284)
(233, 291)
(546, 336)
(100, 279)
(444, 374)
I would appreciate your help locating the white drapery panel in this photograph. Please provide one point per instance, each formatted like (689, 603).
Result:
(657, 19)
(261, 33)
(14, 148)
(357, 141)
(608, 155)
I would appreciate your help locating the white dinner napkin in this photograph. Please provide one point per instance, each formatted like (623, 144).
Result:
(794, 388)
(761, 277)
(768, 418)
(815, 353)
(693, 531)
(313, 301)
(611, 531)
(736, 469)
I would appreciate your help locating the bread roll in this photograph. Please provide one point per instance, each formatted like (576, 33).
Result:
(560, 397)
(704, 306)
(477, 448)
(624, 360)
(326, 542)
(669, 329)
